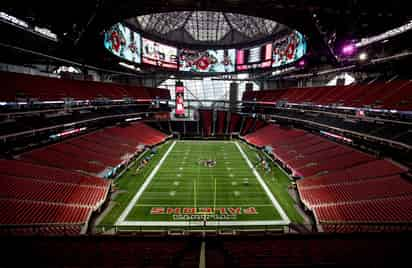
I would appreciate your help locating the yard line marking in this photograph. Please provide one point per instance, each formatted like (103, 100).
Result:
(214, 199)
(143, 187)
(194, 192)
(275, 203)
(190, 205)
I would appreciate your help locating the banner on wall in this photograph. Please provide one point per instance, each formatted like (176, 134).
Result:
(179, 102)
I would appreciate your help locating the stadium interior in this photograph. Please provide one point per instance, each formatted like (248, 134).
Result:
(230, 133)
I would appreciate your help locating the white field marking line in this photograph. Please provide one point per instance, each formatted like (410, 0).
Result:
(194, 185)
(161, 193)
(194, 193)
(201, 223)
(143, 187)
(167, 177)
(275, 203)
(214, 199)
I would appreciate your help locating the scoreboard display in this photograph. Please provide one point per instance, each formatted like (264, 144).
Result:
(288, 49)
(207, 61)
(123, 42)
(135, 48)
(158, 54)
(254, 58)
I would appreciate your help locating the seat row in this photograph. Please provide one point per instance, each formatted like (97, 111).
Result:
(390, 95)
(339, 184)
(97, 152)
(21, 86)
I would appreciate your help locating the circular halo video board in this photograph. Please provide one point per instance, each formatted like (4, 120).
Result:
(131, 46)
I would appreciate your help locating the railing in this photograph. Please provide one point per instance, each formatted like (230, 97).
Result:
(42, 229)
(71, 124)
(324, 228)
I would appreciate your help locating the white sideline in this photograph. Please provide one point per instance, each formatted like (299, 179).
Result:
(201, 223)
(143, 187)
(265, 187)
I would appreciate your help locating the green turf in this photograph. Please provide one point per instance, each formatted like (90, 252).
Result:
(128, 184)
(181, 182)
(278, 183)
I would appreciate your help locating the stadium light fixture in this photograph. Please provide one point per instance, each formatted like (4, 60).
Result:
(363, 56)
(11, 19)
(129, 66)
(384, 36)
(348, 49)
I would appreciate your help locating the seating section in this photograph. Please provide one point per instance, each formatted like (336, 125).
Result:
(339, 184)
(39, 190)
(20, 86)
(234, 123)
(97, 152)
(247, 125)
(305, 154)
(221, 122)
(206, 117)
(136, 134)
(234, 251)
(45, 173)
(47, 200)
(308, 251)
(47, 156)
(362, 190)
(48, 191)
(26, 212)
(373, 169)
(390, 95)
(390, 130)
(54, 230)
(108, 251)
(269, 134)
(391, 210)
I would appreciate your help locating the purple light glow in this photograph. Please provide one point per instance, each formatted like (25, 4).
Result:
(302, 63)
(349, 49)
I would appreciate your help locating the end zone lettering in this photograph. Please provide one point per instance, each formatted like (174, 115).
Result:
(193, 211)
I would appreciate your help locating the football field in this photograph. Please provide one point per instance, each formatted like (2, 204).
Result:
(203, 183)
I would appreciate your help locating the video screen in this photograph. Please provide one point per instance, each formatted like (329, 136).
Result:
(180, 106)
(254, 58)
(158, 54)
(123, 42)
(207, 61)
(289, 49)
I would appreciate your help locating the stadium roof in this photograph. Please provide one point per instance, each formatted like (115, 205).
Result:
(80, 26)
(206, 27)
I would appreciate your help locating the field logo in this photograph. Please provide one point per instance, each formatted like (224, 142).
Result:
(204, 213)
